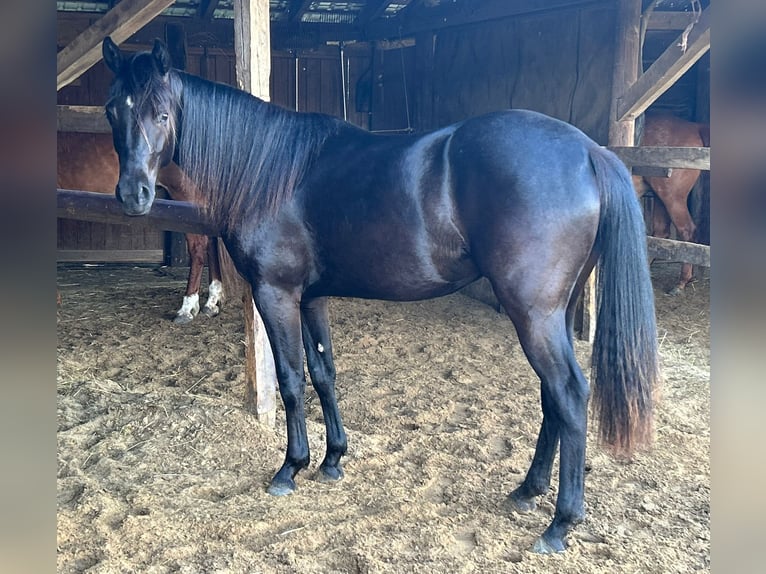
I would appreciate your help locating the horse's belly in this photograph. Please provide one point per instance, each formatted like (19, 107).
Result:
(394, 276)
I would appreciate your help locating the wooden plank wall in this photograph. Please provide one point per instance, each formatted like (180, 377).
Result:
(555, 63)
(394, 86)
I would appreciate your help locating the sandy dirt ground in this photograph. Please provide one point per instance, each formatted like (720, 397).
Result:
(160, 469)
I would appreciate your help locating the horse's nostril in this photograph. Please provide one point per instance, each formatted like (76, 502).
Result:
(145, 194)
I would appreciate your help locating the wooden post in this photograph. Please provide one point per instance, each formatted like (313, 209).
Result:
(700, 195)
(626, 64)
(252, 47)
(176, 251)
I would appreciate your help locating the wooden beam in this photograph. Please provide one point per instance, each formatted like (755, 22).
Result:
(110, 255)
(666, 69)
(297, 9)
(165, 214)
(671, 250)
(207, 9)
(85, 119)
(176, 248)
(283, 34)
(626, 68)
(654, 156)
(651, 171)
(120, 23)
(627, 48)
(252, 47)
(669, 20)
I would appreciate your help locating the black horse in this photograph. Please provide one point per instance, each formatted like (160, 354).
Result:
(310, 206)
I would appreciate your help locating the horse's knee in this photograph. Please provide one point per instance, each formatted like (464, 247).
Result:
(292, 393)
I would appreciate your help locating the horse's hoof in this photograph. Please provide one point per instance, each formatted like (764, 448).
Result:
(183, 318)
(543, 546)
(677, 290)
(329, 474)
(281, 488)
(210, 311)
(520, 503)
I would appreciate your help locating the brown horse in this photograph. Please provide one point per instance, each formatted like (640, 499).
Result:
(673, 192)
(88, 162)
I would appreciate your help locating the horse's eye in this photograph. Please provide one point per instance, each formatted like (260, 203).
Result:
(163, 118)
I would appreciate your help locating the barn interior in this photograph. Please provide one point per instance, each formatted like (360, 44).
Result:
(162, 466)
(392, 67)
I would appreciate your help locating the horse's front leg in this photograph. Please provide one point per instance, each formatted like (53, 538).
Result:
(318, 346)
(190, 306)
(280, 311)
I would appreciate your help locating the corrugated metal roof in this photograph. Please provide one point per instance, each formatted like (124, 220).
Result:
(318, 11)
(322, 11)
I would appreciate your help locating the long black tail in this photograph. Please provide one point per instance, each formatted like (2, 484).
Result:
(625, 364)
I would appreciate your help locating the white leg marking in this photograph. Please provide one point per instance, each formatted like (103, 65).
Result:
(189, 308)
(214, 296)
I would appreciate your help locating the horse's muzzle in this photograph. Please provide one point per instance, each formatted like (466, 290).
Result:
(136, 199)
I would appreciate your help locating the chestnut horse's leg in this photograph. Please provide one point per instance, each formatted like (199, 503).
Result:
(674, 193)
(660, 220)
(215, 293)
(318, 347)
(190, 306)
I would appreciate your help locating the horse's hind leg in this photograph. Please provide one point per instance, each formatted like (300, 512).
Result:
(538, 477)
(674, 193)
(318, 346)
(215, 293)
(564, 399)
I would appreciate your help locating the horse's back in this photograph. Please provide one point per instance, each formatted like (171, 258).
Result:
(521, 156)
(522, 167)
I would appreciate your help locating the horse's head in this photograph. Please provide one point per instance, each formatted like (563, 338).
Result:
(142, 110)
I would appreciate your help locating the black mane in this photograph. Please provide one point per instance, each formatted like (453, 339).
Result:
(246, 156)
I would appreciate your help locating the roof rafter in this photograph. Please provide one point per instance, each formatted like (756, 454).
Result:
(121, 22)
(663, 73)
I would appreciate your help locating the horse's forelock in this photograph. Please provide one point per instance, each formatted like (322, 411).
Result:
(150, 90)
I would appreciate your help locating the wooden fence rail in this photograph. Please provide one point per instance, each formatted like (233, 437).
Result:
(170, 215)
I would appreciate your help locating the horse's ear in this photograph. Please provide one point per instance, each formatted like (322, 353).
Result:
(161, 56)
(112, 55)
